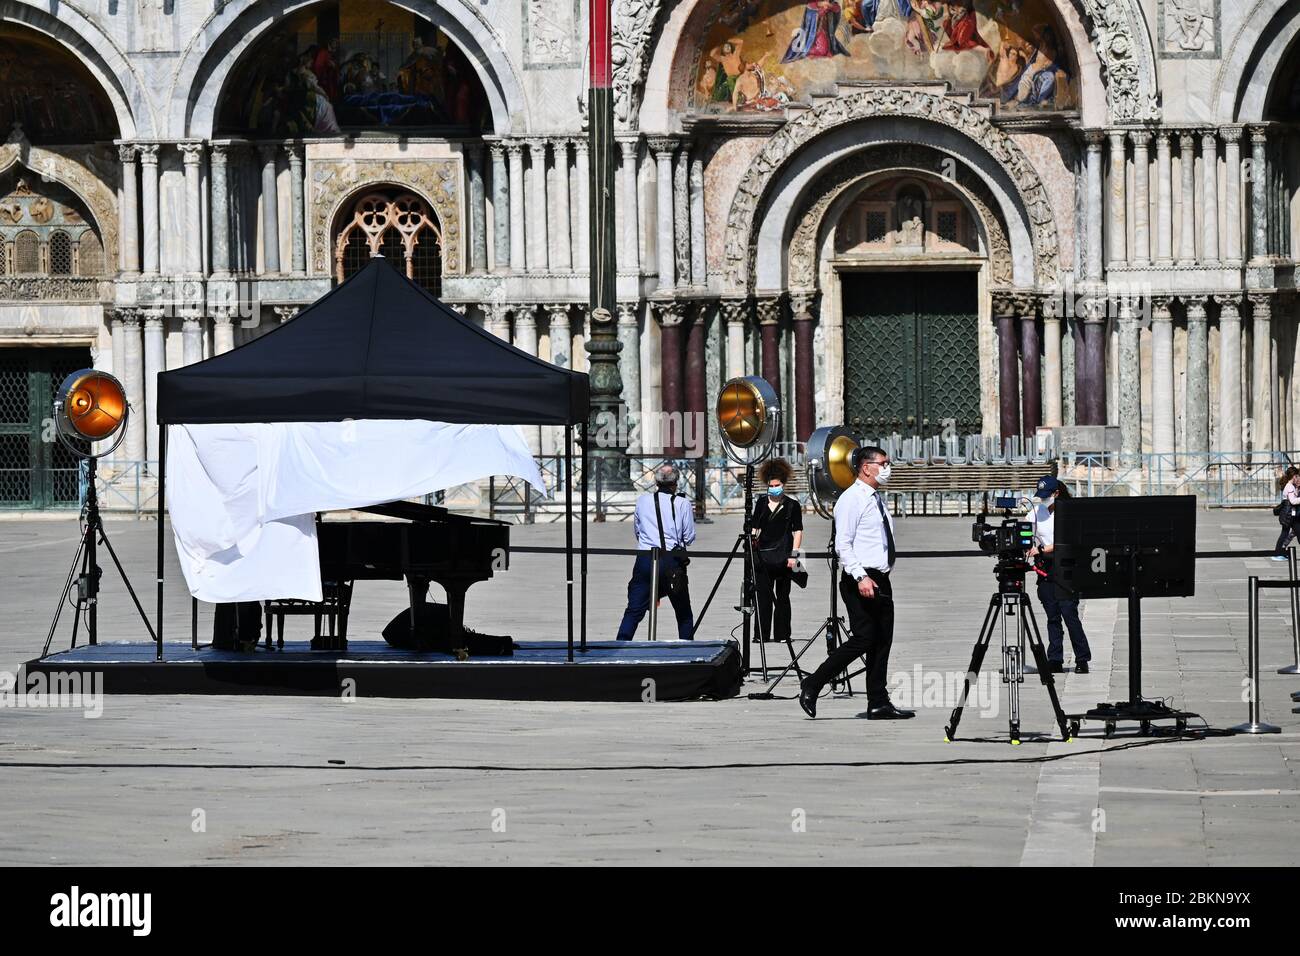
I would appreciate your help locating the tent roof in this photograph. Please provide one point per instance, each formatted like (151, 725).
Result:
(378, 346)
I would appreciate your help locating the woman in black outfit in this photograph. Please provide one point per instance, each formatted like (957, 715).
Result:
(1287, 511)
(777, 525)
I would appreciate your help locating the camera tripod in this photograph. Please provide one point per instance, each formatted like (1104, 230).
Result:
(86, 584)
(1010, 601)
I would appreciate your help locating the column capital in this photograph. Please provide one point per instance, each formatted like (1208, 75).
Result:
(126, 152)
(1141, 138)
(581, 145)
(148, 153)
(127, 317)
(558, 308)
(294, 152)
(1262, 303)
(153, 319)
(801, 304)
(524, 314)
(671, 312)
(1163, 139)
(769, 309)
(1209, 138)
(286, 312)
(536, 142)
(191, 323)
(1195, 306)
(1093, 310)
(222, 314)
(1094, 139)
(191, 152)
(1231, 134)
(734, 310)
(1162, 308)
(1187, 139)
(1228, 302)
(663, 146)
(460, 308)
(515, 147)
(1014, 303)
(627, 314)
(1117, 138)
(1259, 135)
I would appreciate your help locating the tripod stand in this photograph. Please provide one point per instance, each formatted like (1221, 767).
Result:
(1010, 601)
(87, 582)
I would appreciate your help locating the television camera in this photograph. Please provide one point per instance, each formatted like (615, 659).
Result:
(1010, 540)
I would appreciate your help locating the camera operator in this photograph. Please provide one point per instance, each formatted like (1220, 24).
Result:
(864, 542)
(1057, 604)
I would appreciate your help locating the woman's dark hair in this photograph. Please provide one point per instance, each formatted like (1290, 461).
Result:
(1287, 475)
(1063, 490)
(776, 469)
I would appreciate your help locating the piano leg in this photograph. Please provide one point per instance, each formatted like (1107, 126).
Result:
(344, 602)
(418, 588)
(456, 612)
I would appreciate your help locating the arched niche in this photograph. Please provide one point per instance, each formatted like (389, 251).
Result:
(50, 91)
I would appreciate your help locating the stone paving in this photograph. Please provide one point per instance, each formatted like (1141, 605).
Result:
(264, 780)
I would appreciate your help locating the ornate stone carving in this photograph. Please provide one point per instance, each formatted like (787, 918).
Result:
(550, 34)
(632, 33)
(902, 156)
(49, 288)
(739, 245)
(1125, 62)
(335, 181)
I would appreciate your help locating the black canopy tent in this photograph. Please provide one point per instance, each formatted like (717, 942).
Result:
(380, 347)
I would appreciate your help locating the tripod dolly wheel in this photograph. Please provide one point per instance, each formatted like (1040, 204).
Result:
(1074, 728)
(1110, 729)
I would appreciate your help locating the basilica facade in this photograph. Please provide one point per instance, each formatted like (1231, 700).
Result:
(916, 217)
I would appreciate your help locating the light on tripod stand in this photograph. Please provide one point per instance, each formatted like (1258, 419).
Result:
(749, 417)
(90, 405)
(830, 466)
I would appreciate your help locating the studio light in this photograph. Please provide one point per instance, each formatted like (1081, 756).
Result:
(91, 406)
(830, 466)
(749, 416)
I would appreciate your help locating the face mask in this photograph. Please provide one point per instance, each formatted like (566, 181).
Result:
(883, 477)
(776, 492)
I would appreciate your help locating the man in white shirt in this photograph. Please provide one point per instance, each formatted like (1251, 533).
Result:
(677, 520)
(864, 542)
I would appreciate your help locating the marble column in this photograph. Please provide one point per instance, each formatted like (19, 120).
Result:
(696, 384)
(801, 304)
(629, 367)
(1096, 208)
(538, 245)
(129, 213)
(498, 320)
(562, 238)
(1261, 374)
(769, 324)
(698, 277)
(1232, 196)
(1004, 316)
(682, 218)
(526, 340)
(1094, 345)
(733, 313)
(671, 316)
(154, 362)
(191, 340)
(1162, 377)
(1053, 409)
(1187, 235)
(500, 210)
(1130, 385)
(663, 149)
(1259, 193)
(1031, 391)
(192, 158)
(1142, 197)
(128, 327)
(149, 204)
(270, 211)
(630, 253)
(476, 199)
(223, 331)
(561, 334)
(1209, 203)
(1118, 201)
(297, 211)
(114, 319)
(1229, 440)
(582, 231)
(1196, 405)
(219, 210)
(1164, 200)
(518, 247)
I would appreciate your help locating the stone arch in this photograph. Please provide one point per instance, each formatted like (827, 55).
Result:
(1267, 34)
(99, 197)
(836, 188)
(98, 52)
(232, 29)
(1111, 40)
(336, 185)
(837, 129)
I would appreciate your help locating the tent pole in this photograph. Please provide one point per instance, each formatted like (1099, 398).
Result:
(586, 460)
(568, 528)
(162, 491)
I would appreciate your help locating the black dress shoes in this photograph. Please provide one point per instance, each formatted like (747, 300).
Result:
(889, 712)
(1081, 667)
(1057, 667)
(808, 702)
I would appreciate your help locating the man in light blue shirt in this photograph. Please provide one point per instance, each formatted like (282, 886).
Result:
(677, 520)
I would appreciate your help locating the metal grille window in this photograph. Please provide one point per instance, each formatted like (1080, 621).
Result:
(877, 226)
(947, 226)
(401, 228)
(27, 253)
(90, 255)
(4, 259)
(426, 261)
(34, 473)
(60, 255)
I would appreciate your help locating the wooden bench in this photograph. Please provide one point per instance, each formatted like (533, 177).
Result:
(981, 479)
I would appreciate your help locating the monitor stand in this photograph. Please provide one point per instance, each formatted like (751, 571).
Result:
(1136, 709)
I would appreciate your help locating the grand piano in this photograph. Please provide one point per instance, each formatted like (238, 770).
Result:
(427, 544)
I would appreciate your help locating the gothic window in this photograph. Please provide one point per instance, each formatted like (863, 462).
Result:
(27, 253)
(90, 255)
(60, 254)
(946, 226)
(400, 227)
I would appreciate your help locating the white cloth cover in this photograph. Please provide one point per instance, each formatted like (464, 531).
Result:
(243, 498)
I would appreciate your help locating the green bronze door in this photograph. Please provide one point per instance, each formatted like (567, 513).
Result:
(35, 470)
(911, 353)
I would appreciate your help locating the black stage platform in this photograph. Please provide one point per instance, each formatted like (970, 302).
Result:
(539, 670)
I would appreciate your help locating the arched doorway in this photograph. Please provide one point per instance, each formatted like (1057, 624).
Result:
(905, 254)
(397, 225)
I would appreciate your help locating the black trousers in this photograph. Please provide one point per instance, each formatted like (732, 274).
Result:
(1284, 539)
(772, 585)
(871, 624)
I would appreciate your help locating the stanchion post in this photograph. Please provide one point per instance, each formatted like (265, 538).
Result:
(1293, 668)
(1254, 725)
(654, 591)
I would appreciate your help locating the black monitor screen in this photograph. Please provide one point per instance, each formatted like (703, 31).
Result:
(1094, 537)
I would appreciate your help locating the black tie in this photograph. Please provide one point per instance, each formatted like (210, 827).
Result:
(889, 534)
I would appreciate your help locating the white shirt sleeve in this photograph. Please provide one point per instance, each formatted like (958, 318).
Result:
(688, 523)
(848, 516)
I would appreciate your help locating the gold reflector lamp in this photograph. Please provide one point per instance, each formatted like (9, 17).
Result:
(90, 405)
(830, 465)
(749, 416)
